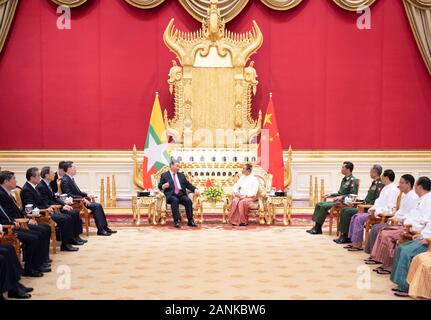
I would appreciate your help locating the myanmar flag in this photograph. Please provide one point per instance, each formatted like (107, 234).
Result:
(156, 155)
(270, 150)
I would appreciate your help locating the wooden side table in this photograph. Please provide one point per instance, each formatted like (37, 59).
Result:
(273, 202)
(223, 201)
(148, 203)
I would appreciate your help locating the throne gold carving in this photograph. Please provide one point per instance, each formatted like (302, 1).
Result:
(212, 86)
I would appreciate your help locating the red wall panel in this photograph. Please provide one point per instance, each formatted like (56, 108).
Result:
(334, 86)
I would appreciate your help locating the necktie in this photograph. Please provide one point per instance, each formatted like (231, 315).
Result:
(176, 188)
(14, 200)
(49, 187)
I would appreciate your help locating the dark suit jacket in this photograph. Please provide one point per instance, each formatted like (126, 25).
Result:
(53, 183)
(9, 207)
(30, 195)
(48, 195)
(184, 184)
(71, 188)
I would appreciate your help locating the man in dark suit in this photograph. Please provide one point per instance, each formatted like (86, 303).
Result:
(10, 273)
(35, 239)
(57, 177)
(49, 197)
(174, 185)
(30, 195)
(69, 186)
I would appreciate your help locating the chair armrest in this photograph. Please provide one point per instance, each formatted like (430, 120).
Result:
(9, 229)
(362, 207)
(407, 227)
(22, 221)
(393, 220)
(56, 207)
(386, 216)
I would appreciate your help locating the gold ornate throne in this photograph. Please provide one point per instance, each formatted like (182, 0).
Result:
(212, 86)
(212, 130)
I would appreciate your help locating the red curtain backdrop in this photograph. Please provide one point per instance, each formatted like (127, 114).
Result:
(92, 87)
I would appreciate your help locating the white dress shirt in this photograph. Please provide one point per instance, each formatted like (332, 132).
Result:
(387, 199)
(408, 203)
(426, 232)
(420, 216)
(247, 186)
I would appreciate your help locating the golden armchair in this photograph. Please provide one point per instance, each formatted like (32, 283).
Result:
(10, 238)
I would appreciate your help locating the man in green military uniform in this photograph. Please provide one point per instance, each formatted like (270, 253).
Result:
(349, 185)
(347, 213)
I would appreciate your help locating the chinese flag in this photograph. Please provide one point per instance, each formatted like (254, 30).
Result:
(270, 151)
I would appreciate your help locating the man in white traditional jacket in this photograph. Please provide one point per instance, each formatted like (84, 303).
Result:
(245, 191)
(385, 203)
(408, 203)
(387, 200)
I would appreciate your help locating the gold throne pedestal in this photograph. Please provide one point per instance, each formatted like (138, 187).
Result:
(212, 86)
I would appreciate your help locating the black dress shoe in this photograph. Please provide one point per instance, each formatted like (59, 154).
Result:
(243, 224)
(24, 288)
(315, 231)
(177, 225)
(78, 238)
(48, 261)
(46, 265)
(44, 269)
(192, 224)
(310, 230)
(18, 294)
(342, 240)
(69, 248)
(111, 231)
(103, 233)
(76, 242)
(32, 273)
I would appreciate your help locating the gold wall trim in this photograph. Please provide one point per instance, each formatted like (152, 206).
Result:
(353, 5)
(69, 3)
(7, 13)
(314, 155)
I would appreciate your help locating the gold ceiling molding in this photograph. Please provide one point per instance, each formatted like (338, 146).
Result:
(281, 4)
(145, 4)
(69, 3)
(419, 14)
(7, 12)
(353, 5)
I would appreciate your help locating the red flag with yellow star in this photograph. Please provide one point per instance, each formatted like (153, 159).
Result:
(270, 150)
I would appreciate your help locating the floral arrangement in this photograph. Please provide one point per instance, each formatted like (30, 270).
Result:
(213, 193)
